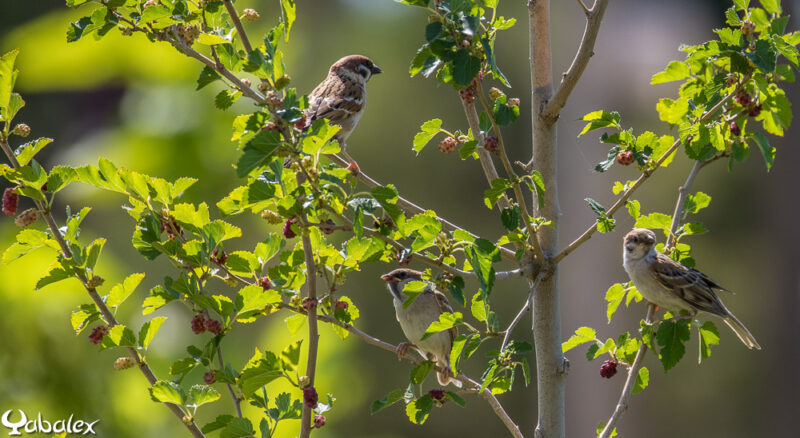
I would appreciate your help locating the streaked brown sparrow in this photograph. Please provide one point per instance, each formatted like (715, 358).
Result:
(673, 286)
(342, 96)
(415, 320)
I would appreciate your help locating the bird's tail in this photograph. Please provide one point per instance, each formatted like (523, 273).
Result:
(741, 331)
(446, 376)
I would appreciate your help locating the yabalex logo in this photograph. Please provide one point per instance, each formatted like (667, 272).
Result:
(24, 426)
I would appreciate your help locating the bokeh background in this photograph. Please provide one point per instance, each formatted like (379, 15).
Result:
(134, 103)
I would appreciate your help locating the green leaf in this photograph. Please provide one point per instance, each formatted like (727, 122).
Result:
(122, 291)
(465, 67)
(54, 275)
(220, 422)
(600, 119)
(259, 372)
(709, 335)
(257, 151)
(153, 13)
(428, 130)
(226, 98)
(642, 380)
(418, 410)
(412, 290)
(672, 111)
(390, 399)
(202, 394)
(764, 56)
(671, 337)
(420, 372)
(675, 71)
(295, 322)
(456, 398)
(290, 356)
(210, 39)
(288, 15)
(741, 4)
(446, 321)
(320, 133)
(149, 330)
(659, 221)
(60, 177)
(207, 76)
(602, 426)
(491, 195)
(767, 151)
(772, 6)
(488, 49)
(582, 335)
(119, 336)
(478, 307)
(168, 392)
(251, 301)
(504, 114)
(696, 202)
(8, 76)
(614, 296)
(28, 150)
(238, 428)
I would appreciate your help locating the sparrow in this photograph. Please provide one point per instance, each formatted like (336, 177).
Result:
(342, 97)
(673, 286)
(415, 320)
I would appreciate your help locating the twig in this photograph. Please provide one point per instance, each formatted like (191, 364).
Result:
(515, 321)
(532, 234)
(570, 78)
(682, 192)
(583, 6)
(621, 201)
(407, 205)
(238, 23)
(313, 332)
(484, 156)
(181, 45)
(236, 401)
(108, 316)
(630, 381)
(502, 275)
(471, 384)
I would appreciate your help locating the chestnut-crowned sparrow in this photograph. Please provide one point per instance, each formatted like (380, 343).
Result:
(673, 286)
(415, 320)
(342, 96)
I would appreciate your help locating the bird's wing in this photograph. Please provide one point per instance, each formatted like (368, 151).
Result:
(444, 306)
(689, 284)
(330, 100)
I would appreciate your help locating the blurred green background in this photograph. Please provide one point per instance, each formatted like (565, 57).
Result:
(134, 103)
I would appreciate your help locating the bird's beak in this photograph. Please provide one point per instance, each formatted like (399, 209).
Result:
(386, 277)
(375, 70)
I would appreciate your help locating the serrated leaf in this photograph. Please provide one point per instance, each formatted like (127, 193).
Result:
(675, 71)
(428, 130)
(122, 291)
(446, 321)
(203, 394)
(709, 335)
(418, 410)
(27, 151)
(168, 392)
(642, 380)
(582, 335)
(671, 337)
(767, 151)
(207, 76)
(390, 399)
(600, 119)
(420, 372)
(149, 330)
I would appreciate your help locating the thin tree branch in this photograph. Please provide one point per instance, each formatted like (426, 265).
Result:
(521, 313)
(181, 45)
(108, 316)
(502, 275)
(313, 332)
(571, 77)
(484, 156)
(630, 381)
(238, 23)
(519, 197)
(472, 385)
(583, 6)
(682, 192)
(621, 201)
(236, 401)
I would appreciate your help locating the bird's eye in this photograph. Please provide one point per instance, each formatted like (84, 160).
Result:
(635, 239)
(364, 71)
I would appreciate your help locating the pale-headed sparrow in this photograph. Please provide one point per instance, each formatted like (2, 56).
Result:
(415, 320)
(673, 286)
(342, 96)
